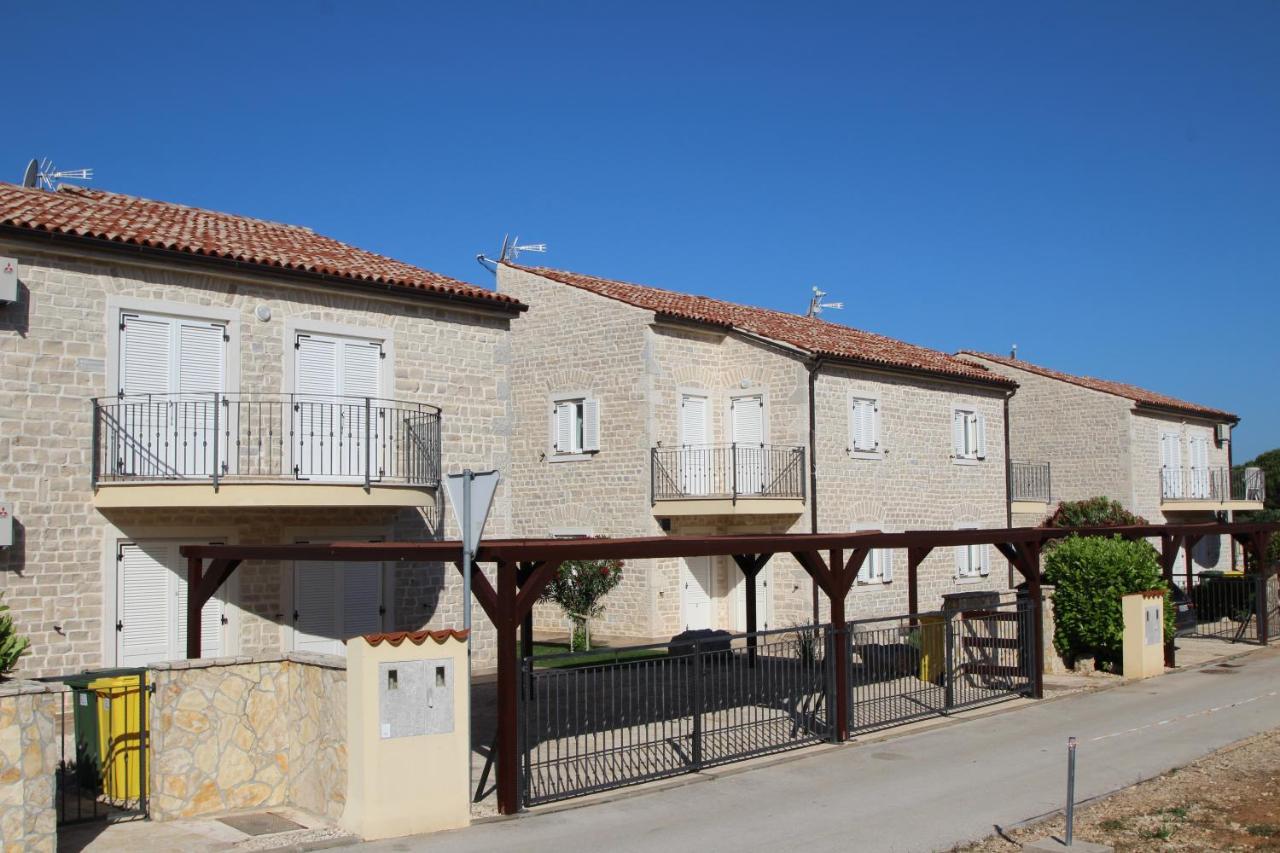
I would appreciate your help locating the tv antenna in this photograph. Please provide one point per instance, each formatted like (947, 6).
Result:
(42, 173)
(817, 306)
(511, 248)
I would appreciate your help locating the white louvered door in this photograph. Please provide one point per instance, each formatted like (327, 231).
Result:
(336, 437)
(695, 594)
(200, 368)
(1198, 451)
(151, 611)
(335, 601)
(764, 582)
(1171, 465)
(750, 464)
(695, 456)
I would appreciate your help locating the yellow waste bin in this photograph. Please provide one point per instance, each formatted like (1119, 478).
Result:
(933, 647)
(120, 727)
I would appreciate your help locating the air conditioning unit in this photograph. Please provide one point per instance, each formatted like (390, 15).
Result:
(8, 280)
(1222, 434)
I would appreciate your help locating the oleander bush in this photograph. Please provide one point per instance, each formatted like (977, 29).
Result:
(1092, 512)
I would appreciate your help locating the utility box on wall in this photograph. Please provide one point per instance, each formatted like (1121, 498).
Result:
(1143, 634)
(407, 751)
(6, 524)
(8, 280)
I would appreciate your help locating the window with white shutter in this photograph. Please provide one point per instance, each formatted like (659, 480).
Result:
(968, 435)
(335, 435)
(575, 425)
(335, 601)
(151, 606)
(864, 426)
(972, 561)
(878, 566)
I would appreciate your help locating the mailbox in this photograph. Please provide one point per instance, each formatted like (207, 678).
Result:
(415, 697)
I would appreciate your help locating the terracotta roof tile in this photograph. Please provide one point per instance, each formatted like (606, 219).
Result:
(98, 215)
(1119, 389)
(396, 638)
(810, 334)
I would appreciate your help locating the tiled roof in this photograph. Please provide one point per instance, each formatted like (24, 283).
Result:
(1131, 392)
(125, 219)
(813, 335)
(396, 638)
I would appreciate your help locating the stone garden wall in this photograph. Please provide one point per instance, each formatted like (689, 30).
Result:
(239, 733)
(28, 762)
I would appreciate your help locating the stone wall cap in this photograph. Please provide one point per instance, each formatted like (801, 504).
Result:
(22, 687)
(318, 659)
(395, 638)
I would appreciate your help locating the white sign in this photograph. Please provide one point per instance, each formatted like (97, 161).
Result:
(8, 279)
(6, 525)
(482, 485)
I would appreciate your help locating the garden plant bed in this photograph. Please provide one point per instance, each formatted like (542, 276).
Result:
(1229, 800)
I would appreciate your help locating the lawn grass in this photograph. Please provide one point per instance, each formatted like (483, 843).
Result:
(598, 654)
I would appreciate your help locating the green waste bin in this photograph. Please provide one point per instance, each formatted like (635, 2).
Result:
(84, 711)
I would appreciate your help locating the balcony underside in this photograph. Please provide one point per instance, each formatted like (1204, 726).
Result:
(727, 506)
(1207, 505)
(202, 495)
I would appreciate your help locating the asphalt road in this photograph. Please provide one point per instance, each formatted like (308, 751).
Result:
(923, 791)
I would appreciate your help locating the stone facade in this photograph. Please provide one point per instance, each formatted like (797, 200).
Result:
(28, 763)
(1102, 444)
(240, 733)
(637, 366)
(58, 577)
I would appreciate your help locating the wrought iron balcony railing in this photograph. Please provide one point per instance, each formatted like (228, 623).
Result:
(1213, 484)
(728, 471)
(230, 436)
(1030, 481)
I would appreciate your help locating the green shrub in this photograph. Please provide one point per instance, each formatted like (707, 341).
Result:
(578, 587)
(1089, 575)
(12, 646)
(1092, 512)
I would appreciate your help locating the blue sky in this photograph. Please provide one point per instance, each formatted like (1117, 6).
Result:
(1097, 182)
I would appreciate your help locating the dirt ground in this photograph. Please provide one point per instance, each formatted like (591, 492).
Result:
(1226, 801)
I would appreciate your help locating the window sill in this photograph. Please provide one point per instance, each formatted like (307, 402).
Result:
(873, 584)
(966, 460)
(571, 457)
(865, 454)
(969, 581)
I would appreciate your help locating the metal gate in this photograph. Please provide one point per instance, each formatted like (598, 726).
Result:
(103, 734)
(1231, 606)
(669, 709)
(903, 668)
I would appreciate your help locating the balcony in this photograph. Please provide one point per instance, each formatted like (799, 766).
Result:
(262, 450)
(1211, 488)
(1030, 483)
(728, 479)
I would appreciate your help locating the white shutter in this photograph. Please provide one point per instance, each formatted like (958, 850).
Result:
(590, 424)
(981, 427)
(962, 560)
(864, 425)
(210, 617)
(886, 564)
(984, 560)
(958, 418)
(144, 605)
(748, 421)
(316, 366)
(201, 358)
(361, 369)
(696, 595)
(361, 599)
(693, 420)
(747, 416)
(146, 355)
(315, 606)
(1171, 464)
(564, 427)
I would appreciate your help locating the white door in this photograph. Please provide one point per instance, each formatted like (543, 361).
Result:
(695, 593)
(333, 602)
(151, 608)
(336, 433)
(1198, 451)
(1171, 465)
(750, 465)
(764, 582)
(165, 424)
(695, 455)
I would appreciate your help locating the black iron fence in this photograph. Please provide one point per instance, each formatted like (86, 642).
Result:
(1216, 484)
(102, 730)
(596, 726)
(727, 471)
(903, 668)
(1233, 607)
(1030, 481)
(219, 436)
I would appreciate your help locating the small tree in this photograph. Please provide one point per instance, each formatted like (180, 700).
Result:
(578, 587)
(1089, 575)
(1092, 512)
(12, 646)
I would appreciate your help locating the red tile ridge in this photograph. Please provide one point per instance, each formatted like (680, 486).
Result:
(396, 638)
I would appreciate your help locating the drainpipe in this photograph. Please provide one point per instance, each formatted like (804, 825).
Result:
(1008, 466)
(814, 366)
(1231, 440)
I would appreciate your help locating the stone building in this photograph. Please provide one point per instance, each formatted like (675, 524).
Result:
(176, 375)
(639, 411)
(1167, 460)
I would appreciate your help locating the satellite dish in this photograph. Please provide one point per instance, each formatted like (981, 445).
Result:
(32, 174)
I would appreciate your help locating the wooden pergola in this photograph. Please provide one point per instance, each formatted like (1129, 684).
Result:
(524, 567)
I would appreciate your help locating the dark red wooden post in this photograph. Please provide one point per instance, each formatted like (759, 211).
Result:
(508, 693)
(195, 568)
(915, 556)
(840, 650)
(1169, 556)
(1031, 552)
